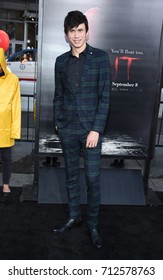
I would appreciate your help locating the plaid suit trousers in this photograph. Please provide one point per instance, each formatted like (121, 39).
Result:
(73, 140)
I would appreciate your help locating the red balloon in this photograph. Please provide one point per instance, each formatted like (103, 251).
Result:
(4, 40)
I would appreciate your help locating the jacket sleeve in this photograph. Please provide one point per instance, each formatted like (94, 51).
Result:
(104, 95)
(58, 96)
(16, 112)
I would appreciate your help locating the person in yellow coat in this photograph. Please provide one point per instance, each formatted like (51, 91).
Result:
(10, 119)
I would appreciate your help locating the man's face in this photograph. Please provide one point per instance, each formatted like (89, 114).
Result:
(77, 36)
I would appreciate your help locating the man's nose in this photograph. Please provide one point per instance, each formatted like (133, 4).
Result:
(76, 34)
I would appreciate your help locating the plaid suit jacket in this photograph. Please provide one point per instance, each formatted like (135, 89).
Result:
(91, 99)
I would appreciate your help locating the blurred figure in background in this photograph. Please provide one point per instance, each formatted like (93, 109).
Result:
(10, 119)
(24, 58)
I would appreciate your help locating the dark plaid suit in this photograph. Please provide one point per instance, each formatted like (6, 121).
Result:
(77, 111)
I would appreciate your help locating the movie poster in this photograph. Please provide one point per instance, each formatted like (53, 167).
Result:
(130, 32)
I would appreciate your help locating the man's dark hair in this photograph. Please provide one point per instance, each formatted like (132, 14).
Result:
(74, 19)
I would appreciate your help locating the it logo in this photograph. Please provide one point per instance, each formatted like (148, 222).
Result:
(129, 60)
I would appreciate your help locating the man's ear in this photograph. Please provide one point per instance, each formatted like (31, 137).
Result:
(87, 36)
(66, 39)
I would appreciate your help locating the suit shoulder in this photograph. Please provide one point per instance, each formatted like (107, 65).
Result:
(63, 57)
(98, 52)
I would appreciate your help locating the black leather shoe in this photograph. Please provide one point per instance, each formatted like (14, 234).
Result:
(69, 224)
(6, 194)
(96, 239)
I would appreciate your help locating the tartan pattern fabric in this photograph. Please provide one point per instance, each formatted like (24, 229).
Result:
(73, 139)
(90, 99)
(77, 111)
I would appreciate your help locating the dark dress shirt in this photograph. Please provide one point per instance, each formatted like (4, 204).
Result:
(75, 68)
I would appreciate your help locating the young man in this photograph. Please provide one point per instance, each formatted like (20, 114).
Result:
(81, 104)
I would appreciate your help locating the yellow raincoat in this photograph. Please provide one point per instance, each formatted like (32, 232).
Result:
(10, 106)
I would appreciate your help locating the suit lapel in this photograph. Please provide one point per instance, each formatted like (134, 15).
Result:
(87, 63)
(66, 79)
(86, 67)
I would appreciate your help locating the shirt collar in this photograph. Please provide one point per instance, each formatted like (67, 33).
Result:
(83, 52)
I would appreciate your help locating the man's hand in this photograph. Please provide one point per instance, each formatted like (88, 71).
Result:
(92, 139)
